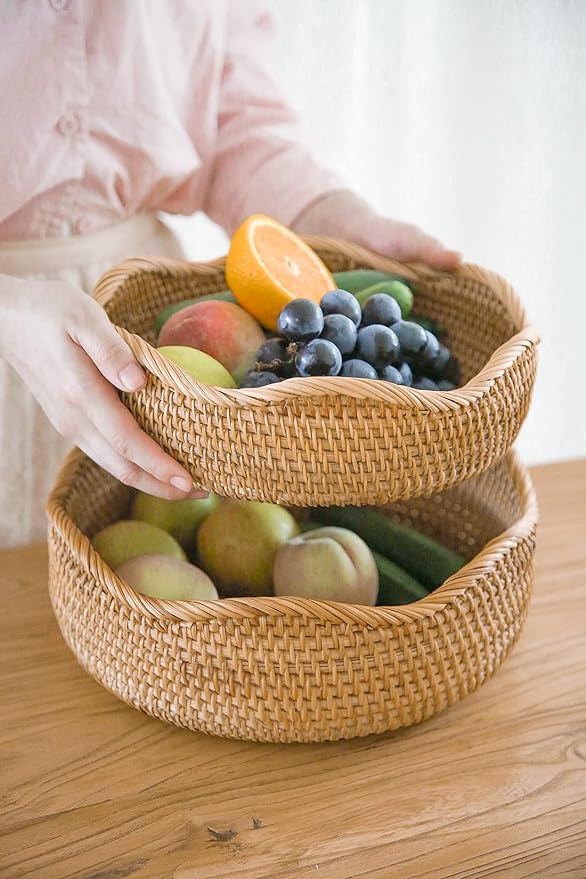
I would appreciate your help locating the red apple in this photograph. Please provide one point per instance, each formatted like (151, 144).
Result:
(223, 330)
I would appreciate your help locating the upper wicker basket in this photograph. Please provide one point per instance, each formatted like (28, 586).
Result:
(313, 442)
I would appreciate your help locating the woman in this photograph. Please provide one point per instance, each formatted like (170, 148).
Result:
(112, 112)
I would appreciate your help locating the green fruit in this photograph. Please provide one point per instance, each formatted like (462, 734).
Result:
(396, 586)
(421, 557)
(359, 279)
(238, 542)
(199, 365)
(400, 292)
(126, 539)
(161, 576)
(179, 518)
(166, 313)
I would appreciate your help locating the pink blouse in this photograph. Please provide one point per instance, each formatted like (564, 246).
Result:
(111, 107)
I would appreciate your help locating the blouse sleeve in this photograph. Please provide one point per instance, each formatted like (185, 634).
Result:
(261, 163)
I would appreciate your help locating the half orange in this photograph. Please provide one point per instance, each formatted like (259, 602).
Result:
(268, 265)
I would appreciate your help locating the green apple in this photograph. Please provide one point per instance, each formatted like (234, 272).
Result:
(237, 544)
(199, 365)
(179, 518)
(125, 539)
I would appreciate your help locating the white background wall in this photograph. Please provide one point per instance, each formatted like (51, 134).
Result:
(467, 117)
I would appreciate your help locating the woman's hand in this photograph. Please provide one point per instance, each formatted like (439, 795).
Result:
(341, 214)
(64, 347)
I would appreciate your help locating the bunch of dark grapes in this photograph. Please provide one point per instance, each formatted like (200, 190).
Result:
(338, 337)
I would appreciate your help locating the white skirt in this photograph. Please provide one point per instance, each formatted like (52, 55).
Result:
(31, 451)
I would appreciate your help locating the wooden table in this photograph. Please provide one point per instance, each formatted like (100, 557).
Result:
(494, 787)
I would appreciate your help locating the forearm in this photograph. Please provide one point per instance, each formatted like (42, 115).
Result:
(265, 174)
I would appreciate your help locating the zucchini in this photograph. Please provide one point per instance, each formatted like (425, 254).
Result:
(163, 317)
(423, 558)
(395, 585)
(359, 279)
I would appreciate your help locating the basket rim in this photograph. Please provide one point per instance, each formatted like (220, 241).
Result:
(448, 594)
(298, 388)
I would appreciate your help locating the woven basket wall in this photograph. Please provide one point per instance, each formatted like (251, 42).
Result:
(285, 670)
(312, 442)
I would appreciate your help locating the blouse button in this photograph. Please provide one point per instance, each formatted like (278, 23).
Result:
(82, 225)
(68, 125)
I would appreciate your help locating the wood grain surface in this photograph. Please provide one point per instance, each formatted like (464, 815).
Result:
(494, 787)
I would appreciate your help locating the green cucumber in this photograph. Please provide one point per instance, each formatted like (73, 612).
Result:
(395, 288)
(421, 557)
(163, 317)
(395, 585)
(359, 279)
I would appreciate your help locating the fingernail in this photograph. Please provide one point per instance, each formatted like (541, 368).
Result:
(198, 494)
(132, 377)
(183, 483)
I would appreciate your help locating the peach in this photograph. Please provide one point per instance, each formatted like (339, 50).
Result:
(223, 330)
(171, 579)
(330, 564)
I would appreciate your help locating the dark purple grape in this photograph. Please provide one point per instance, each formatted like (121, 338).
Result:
(274, 357)
(272, 349)
(412, 338)
(342, 302)
(436, 367)
(377, 345)
(318, 357)
(406, 374)
(287, 368)
(300, 320)
(341, 331)
(426, 357)
(381, 309)
(259, 379)
(391, 374)
(444, 385)
(422, 383)
(358, 369)
(452, 371)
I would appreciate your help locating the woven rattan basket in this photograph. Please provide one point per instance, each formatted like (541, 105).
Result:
(277, 669)
(311, 442)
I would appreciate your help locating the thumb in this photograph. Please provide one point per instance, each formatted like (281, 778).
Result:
(109, 352)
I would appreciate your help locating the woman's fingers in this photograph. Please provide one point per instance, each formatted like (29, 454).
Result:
(108, 417)
(410, 244)
(100, 451)
(343, 214)
(109, 352)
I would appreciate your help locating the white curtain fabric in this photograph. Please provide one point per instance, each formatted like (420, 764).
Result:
(467, 117)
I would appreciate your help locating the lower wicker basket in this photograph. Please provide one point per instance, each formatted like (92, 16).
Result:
(286, 670)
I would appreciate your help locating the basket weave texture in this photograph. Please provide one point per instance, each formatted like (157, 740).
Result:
(312, 442)
(284, 670)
